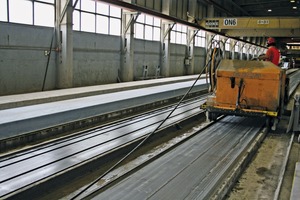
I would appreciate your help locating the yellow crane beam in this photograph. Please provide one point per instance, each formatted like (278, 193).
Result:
(254, 26)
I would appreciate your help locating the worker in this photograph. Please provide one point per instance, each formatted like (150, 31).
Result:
(272, 53)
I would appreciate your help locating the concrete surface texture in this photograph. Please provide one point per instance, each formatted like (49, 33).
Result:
(260, 179)
(96, 59)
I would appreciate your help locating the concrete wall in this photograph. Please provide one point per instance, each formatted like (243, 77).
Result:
(146, 53)
(23, 63)
(22, 59)
(177, 67)
(97, 58)
(200, 56)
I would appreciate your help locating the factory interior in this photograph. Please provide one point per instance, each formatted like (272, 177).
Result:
(149, 99)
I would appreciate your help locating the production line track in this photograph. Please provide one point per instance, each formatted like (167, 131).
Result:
(196, 169)
(23, 171)
(33, 123)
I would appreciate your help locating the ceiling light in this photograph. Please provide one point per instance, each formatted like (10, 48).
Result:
(293, 43)
(292, 1)
(269, 10)
(294, 7)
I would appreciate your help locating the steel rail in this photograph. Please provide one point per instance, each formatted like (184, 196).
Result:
(294, 81)
(193, 170)
(23, 170)
(87, 132)
(283, 168)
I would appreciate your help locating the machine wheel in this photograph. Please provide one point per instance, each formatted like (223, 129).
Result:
(275, 122)
(271, 123)
(212, 116)
(268, 122)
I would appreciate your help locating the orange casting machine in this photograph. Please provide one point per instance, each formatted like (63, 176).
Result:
(246, 88)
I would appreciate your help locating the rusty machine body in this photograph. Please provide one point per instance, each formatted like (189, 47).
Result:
(246, 88)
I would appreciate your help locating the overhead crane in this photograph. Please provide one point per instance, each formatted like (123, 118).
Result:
(254, 26)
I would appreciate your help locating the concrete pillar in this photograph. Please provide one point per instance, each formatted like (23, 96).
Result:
(165, 49)
(232, 49)
(209, 39)
(165, 39)
(127, 50)
(189, 52)
(222, 46)
(189, 61)
(241, 50)
(247, 51)
(65, 44)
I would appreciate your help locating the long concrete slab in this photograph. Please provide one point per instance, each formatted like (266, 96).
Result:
(18, 100)
(195, 169)
(25, 174)
(21, 120)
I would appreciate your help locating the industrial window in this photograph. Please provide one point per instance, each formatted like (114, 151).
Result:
(3, 10)
(96, 17)
(200, 39)
(147, 28)
(30, 12)
(20, 11)
(47, 1)
(42, 19)
(88, 22)
(179, 34)
(102, 24)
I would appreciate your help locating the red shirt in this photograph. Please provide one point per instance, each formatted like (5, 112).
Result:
(273, 55)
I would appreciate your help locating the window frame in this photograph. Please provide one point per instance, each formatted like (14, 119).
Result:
(147, 22)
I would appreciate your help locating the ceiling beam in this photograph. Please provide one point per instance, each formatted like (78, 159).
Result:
(240, 8)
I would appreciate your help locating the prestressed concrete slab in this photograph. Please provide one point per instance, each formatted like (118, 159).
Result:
(31, 170)
(17, 121)
(194, 169)
(12, 101)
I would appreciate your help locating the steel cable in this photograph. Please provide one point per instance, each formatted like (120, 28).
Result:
(141, 143)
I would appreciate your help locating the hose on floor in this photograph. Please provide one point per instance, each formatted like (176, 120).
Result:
(142, 142)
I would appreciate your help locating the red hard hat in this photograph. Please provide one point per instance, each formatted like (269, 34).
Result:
(270, 40)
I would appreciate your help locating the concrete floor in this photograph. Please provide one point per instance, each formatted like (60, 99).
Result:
(260, 179)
